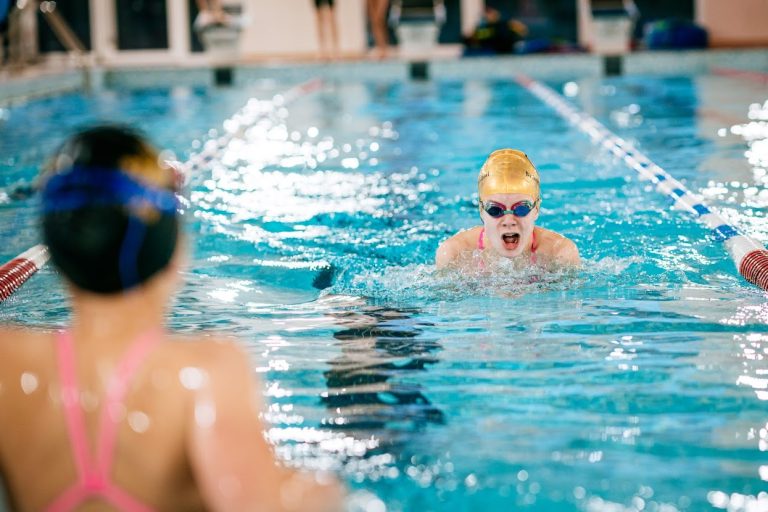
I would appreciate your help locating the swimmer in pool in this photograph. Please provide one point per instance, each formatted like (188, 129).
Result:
(113, 412)
(510, 199)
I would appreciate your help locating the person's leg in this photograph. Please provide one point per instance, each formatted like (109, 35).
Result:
(334, 30)
(321, 36)
(377, 11)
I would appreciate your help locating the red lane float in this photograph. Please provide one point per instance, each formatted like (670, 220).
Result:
(753, 76)
(14, 273)
(754, 268)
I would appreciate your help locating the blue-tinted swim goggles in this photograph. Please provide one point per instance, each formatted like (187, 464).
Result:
(83, 186)
(498, 210)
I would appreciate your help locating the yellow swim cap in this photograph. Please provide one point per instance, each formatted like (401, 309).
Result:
(508, 171)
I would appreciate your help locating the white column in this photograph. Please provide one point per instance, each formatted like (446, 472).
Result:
(178, 29)
(584, 22)
(471, 11)
(351, 18)
(103, 30)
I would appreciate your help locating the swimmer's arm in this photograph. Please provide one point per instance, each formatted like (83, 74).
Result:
(567, 254)
(232, 462)
(447, 253)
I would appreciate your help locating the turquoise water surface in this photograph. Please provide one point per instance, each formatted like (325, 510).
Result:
(638, 383)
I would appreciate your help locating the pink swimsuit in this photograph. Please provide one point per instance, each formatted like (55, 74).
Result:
(481, 245)
(93, 472)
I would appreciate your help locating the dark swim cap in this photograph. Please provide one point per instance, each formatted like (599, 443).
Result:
(108, 229)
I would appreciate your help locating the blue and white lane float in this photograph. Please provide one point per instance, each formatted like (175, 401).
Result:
(749, 255)
(16, 271)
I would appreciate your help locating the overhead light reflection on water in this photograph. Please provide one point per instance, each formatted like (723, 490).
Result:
(736, 502)
(275, 341)
(627, 117)
(311, 265)
(275, 391)
(744, 315)
(224, 295)
(742, 202)
(754, 194)
(754, 352)
(330, 442)
(268, 195)
(283, 414)
(571, 89)
(350, 163)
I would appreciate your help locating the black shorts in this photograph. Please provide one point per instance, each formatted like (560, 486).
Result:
(320, 3)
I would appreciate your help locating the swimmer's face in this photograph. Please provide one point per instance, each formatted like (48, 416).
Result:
(509, 235)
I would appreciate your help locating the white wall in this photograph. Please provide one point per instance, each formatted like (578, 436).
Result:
(288, 27)
(735, 22)
(276, 28)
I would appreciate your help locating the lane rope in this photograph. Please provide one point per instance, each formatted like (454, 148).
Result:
(749, 255)
(15, 272)
(753, 76)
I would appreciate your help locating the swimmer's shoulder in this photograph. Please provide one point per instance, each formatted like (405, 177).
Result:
(218, 356)
(210, 347)
(557, 247)
(21, 342)
(463, 241)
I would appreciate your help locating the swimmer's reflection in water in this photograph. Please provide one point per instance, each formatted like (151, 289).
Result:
(380, 345)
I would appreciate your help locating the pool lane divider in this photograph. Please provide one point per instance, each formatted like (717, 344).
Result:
(749, 255)
(16, 271)
(244, 118)
(744, 74)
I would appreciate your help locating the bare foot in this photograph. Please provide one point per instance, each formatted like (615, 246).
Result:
(379, 53)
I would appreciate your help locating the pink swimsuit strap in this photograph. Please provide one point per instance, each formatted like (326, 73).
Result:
(534, 246)
(93, 472)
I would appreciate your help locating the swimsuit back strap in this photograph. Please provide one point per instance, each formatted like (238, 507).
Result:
(73, 416)
(113, 410)
(93, 475)
(480, 243)
(70, 395)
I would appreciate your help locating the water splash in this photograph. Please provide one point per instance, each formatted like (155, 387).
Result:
(499, 278)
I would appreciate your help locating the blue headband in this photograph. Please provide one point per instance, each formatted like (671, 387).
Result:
(80, 187)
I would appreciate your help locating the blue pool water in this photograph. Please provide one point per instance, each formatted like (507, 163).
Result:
(638, 383)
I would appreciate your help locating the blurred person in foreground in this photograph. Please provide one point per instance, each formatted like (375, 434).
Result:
(113, 412)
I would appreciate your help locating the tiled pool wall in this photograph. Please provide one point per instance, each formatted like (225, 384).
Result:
(548, 66)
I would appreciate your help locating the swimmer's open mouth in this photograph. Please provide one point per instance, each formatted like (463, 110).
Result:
(510, 240)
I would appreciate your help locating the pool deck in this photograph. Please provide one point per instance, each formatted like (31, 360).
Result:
(52, 80)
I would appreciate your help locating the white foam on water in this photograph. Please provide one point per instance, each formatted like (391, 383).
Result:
(500, 277)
